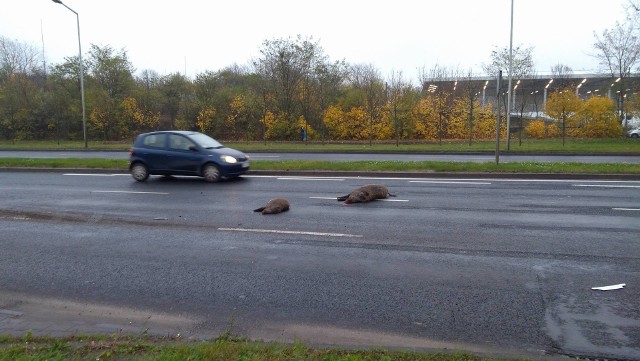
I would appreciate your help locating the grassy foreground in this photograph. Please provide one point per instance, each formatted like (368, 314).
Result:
(169, 349)
(356, 166)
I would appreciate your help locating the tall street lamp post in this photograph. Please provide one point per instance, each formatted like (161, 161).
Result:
(509, 95)
(84, 117)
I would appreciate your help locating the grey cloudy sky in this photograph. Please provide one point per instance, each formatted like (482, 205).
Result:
(400, 35)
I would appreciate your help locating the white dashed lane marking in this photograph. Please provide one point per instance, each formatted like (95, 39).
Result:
(279, 231)
(384, 200)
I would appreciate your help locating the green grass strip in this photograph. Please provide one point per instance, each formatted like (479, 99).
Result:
(358, 166)
(170, 349)
(535, 146)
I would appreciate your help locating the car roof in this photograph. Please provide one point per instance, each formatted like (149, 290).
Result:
(185, 132)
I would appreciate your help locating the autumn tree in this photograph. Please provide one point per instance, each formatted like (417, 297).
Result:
(369, 90)
(348, 125)
(436, 76)
(206, 119)
(561, 73)
(564, 105)
(618, 51)
(149, 99)
(439, 85)
(598, 119)
(284, 64)
(237, 116)
(521, 62)
(540, 129)
(111, 81)
(471, 91)
(22, 102)
(65, 103)
(19, 58)
(177, 93)
(318, 85)
(401, 99)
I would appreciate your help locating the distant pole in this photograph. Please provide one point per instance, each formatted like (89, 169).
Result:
(510, 77)
(44, 60)
(84, 118)
(498, 90)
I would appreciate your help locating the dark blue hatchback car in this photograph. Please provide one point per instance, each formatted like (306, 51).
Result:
(184, 153)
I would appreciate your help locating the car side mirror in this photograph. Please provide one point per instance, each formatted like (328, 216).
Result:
(193, 148)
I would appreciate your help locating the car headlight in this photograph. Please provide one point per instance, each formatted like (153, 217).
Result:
(228, 159)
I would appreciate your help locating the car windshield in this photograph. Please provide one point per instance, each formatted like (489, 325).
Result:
(205, 141)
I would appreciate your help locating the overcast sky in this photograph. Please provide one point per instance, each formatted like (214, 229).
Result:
(399, 35)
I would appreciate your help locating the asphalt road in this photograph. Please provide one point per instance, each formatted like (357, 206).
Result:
(504, 266)
(354, 156)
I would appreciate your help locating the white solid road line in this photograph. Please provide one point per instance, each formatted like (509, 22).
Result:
(448, 182)
(95, 174)
(626, 209)
(310, 178)
(257, 230)
(605, 186)
(129, 192)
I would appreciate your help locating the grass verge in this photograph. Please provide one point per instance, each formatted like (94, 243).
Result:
(535, 146)
(356, 166)
(119, 347)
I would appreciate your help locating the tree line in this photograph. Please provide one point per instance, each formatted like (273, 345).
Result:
(291, 85)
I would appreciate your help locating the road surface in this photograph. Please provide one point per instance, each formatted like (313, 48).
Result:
(500, 266)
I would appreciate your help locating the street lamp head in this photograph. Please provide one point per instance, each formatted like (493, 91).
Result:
(57, 1)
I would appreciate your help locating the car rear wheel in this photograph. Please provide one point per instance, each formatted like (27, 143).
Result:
(634, 135)
(211, 173)
(139, 172)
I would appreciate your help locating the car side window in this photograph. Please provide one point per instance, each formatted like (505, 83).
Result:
(178, 142)
(155, 140)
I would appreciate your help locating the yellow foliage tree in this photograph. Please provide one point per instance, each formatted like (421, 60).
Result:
(536, 129)
(267, 122)
(598, 119)
(237, 111)
(205, 119)
(424, 119)
(553, 130)
(357, 124)
(350, 125)
(100, 120)
(564, 105)
(137, 119)
(485, 125)
(281, 128)
(540, 129)
(384, 129)
(458, 122)
(334, 122)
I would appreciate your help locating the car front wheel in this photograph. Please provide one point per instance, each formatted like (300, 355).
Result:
(634, 135)
(139, 172)
(211, 173)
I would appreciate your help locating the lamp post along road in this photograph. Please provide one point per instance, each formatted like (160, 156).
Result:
(510, 79)
(84, 117)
